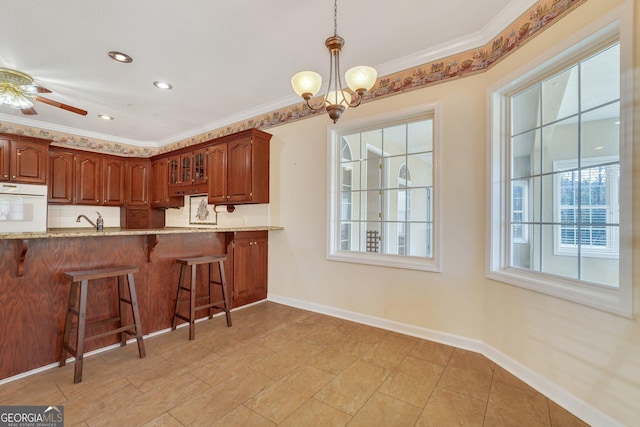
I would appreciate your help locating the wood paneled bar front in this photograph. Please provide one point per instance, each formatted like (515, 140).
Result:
(33, 304)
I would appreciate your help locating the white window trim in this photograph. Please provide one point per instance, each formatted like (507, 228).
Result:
(434, 263)
(617, 22)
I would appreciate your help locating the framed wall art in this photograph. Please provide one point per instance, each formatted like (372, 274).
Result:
(200, 212)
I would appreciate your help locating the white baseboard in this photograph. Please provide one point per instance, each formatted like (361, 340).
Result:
(573, 404)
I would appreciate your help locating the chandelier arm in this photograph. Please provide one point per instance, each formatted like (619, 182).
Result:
(318, 107)
(358, 99)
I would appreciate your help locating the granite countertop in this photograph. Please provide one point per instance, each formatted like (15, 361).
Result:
(116, 231)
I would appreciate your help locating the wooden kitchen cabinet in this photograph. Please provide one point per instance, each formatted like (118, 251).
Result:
(4, 159)
(88, 179)
(76, 177)
(250, 252)
(188, 173)
(23, 159)
(61, 177)
(238, 169)
(113, 172)
(137, 212)
(217, 174)
(160, 186)
(138, 174)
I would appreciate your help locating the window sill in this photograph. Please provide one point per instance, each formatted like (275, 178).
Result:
(394, 261)
(611, 300)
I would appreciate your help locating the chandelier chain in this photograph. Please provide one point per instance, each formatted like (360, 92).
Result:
(335, 18)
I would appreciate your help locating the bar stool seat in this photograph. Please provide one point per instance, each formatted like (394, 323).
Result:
(123, 273)
(209, 304)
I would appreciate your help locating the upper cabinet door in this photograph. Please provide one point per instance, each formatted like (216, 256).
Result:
(174, 170)
(185, 169)
(198, 166)
(88, 179)
(113, 181)
(29, 162)
(61, 177)
(4, 160)
(217, 173)
(137, 182)
(239, 171)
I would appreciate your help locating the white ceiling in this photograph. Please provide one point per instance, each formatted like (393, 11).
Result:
(227, 61)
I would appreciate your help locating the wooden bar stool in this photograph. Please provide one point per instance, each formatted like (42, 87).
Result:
(221, 305)
(134, 329)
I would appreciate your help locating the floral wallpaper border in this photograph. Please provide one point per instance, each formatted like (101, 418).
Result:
(528, 25)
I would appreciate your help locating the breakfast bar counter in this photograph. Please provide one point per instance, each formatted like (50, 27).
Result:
(116, 231)
(34, 292)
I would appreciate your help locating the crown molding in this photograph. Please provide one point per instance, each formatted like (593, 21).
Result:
(506, 17)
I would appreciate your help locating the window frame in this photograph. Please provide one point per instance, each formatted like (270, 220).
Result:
(615, 25)
(333, 252)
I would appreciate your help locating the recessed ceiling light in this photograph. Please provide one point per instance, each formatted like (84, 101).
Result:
(599, 148)
(162, 85)
(120, 57)
(105, 117)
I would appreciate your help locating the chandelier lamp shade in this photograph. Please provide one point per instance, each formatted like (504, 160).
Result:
(359, 80)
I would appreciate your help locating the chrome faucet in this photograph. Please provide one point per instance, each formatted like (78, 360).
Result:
(88, 220)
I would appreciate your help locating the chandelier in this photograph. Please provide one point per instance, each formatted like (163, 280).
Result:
(16, 89)
(359, 79)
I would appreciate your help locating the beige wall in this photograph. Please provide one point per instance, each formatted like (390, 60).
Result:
(593, 355)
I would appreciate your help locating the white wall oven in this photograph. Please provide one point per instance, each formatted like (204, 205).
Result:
(23, 208)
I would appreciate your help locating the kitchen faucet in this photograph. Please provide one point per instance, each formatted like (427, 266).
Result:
(88, 220)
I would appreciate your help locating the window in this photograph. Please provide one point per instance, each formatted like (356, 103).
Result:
(404, 206)
(587, 207)
(557, 212)
(519, 211)
(381, 211)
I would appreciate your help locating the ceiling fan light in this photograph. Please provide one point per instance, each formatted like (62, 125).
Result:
(14, 96)
(361, 78)
(306, 83)
(30, 89)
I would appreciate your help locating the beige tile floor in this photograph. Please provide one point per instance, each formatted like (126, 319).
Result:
(283, 366)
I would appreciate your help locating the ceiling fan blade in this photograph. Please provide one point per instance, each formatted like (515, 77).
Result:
(42, 89)
(29, 111)
(61, 105)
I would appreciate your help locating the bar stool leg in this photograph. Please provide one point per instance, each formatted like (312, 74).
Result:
(211, 300)
(82, 318)
(136, 315)
(175, 310)
(121, 310)
(192, 304)
(225, 296)
(68, 321)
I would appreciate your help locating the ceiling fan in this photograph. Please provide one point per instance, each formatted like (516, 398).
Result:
(18, 91)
